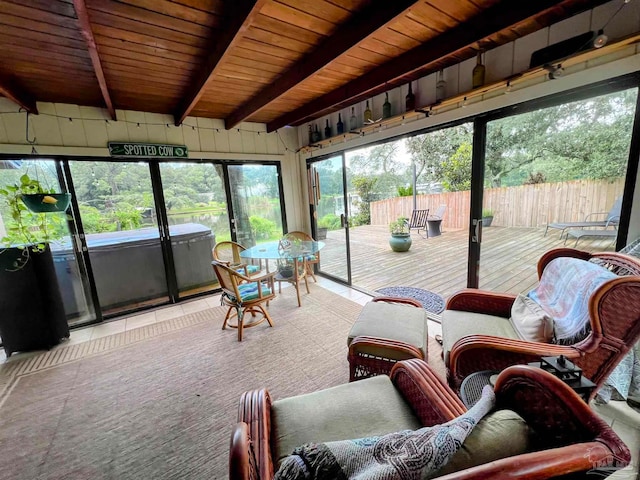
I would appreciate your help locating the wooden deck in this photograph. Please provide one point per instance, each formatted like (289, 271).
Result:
(439, 264)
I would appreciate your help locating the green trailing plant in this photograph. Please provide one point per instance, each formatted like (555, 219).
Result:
(400, 226)
(27, 231)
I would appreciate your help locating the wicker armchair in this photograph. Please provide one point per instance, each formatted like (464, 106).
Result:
(570, 439)
(614, 309)
(311, 259)
(229, 253)
(243, 294)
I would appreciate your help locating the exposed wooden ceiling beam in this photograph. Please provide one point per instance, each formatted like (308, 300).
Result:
(10, 89)
(87, 33)
(240, 17)
(492, 20)
(378, 14)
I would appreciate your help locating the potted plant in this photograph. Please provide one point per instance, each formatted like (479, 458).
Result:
(33, 315)
(400, 240)
(487, 217)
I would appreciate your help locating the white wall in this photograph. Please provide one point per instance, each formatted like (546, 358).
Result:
(62, 129)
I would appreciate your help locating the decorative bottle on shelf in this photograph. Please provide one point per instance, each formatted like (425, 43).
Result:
(353, 121)
(440, 87)
(316, 135)
(386, 106)
(327, 130)
(367, 117)
(310, 135)
(410, 100)
(340, 125)
(478, 72)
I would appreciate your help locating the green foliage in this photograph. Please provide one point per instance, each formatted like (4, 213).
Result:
(365, 186)
(405, 191)
(456, 170)
(401, 225)
(330, 221)
(487, 212)
(27, 230)
(261, 227)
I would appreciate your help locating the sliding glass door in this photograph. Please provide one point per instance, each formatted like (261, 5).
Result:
(326, 180)
(119, 216)
(197, 217)
(548, 167)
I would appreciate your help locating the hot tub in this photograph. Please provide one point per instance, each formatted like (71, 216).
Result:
(128, 266)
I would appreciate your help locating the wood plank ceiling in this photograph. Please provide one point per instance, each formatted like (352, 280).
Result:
(279, 62)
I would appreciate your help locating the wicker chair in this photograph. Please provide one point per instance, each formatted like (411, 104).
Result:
(614, 310)
(311, 259)
(569, 438)
(243, 294)
(229, 254)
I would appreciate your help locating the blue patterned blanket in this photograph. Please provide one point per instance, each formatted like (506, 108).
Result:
(406, 455)
(564, 291)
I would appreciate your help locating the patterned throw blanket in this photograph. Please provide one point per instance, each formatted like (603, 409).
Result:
(405, 455)
(564, 291)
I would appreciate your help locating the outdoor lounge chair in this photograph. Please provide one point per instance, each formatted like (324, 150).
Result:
(541, 429)
(610, 218)
(419, 221)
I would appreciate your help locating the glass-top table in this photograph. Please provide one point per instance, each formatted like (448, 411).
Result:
(294, 253)
(271, 250)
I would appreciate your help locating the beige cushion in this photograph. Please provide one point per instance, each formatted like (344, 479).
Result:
(354, 410)
(499, 435)
(530, 321)
(457, 324)
(393, 321)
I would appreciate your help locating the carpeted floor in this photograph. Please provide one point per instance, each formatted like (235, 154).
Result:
(159, 402)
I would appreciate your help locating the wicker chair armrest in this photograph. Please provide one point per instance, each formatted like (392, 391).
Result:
(399, 349)
(486, 352)
(241, 466)
(550, 463)
(254, 410)
(407, 301)
(482, 301)
(555, 412)
(429, 397)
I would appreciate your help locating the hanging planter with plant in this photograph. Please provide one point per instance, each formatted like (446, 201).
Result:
(31, 229)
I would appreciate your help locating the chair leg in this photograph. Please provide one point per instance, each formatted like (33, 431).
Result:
(226, 319)
(266, 315)
(306, 283)
(297, 285)
(240, 323)
(310, 272)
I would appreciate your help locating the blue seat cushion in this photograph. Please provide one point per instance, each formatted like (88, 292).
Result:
(249, 291)
(250, 269)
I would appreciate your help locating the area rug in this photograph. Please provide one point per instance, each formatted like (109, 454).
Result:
(160, 401)
(431, 302)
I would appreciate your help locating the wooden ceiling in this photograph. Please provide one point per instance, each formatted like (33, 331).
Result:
(279, 62)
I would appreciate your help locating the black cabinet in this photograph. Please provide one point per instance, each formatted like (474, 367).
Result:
(32, 315)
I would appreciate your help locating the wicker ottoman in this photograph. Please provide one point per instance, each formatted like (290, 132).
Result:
(387, 330)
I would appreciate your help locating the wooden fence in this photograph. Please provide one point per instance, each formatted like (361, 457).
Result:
(522, 206)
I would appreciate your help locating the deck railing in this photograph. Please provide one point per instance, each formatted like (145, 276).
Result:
(522, 206)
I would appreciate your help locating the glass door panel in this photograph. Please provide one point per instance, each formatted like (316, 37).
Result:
(330, 215)
(196, 206)
(118, 214)
(70, 270)
(256, 203)
(560, 164)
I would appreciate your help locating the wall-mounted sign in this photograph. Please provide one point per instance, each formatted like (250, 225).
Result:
(121, 149)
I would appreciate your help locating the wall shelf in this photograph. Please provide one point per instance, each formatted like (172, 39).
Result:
(504, 85)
